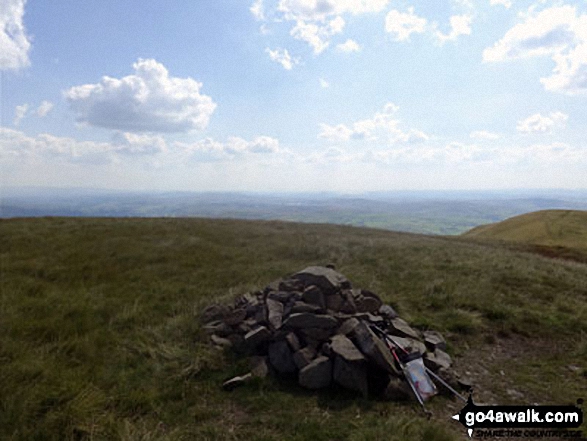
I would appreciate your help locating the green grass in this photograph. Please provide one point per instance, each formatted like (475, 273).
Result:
(552, 228)
(100, 338)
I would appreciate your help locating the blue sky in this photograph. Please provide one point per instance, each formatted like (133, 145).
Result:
(294, 95)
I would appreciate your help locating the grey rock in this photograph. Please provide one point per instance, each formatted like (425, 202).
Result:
(334, 302)
(213, 313)
(328, 280)
(257, 336)
(235, 316)
(345, 348)
(237, 381)
(351, 375)
(304, 307)
(348, 305)
(400, 327)
(304, 356)
(218, 327)
(259, 367)
(373, 348)
(291, 284)
(410, 344)
(293, 341)
(260, 316)
(220, 341)
(314, 296)
(317, 374)
(368, 304)
(434, 340)
(280, 296)
(397, 390)
(387, 312)
(274, 313)
(437, 360)
(347, 326)
(319, 334)
(308, 320)
(281, 357)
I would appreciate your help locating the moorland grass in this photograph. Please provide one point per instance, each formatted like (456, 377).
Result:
(100, 338)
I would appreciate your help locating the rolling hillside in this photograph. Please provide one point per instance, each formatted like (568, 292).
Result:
(553, 228)
(100, 337)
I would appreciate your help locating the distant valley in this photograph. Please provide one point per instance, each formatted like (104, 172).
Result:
(433, 212)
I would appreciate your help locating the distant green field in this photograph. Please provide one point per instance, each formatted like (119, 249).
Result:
(100, 338)
(563, 228)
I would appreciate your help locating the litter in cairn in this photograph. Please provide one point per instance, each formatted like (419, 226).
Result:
(314, 326)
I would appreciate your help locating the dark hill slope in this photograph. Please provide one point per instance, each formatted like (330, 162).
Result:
(99, 336)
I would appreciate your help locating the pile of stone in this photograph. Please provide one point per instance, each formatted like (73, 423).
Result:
(315, 327)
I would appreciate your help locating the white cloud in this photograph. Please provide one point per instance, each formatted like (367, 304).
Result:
(335, 133)
(505, 3)
(349, 46)
(44, 108)
(148, 100)
(324, 84)
(315, 21)
(258, 10)
(459, 25)
(402, 25)
(321, 9)
(19, 113)
(282, 57)
(542, 124)
(382, 127)
(557, 32)
(14, 43)
(14, 143)
(210, 149)
(483, 134)
(317, 35)
(138, 144)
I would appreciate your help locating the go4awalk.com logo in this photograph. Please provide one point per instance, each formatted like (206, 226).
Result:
(521, 421)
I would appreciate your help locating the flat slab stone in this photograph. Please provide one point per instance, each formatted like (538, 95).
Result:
(325, 278)
(317, 374)
(313, 295)
(257, 336)
(400, 327)
(309, 320)
(374, 348)
(434, 340)
(437, 360)
(345, 348)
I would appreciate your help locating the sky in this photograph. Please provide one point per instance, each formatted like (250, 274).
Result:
(293, 95)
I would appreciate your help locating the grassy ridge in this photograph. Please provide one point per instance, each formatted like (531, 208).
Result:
(563, 228)
(99, 337)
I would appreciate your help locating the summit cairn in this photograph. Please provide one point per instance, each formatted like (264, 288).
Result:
(314, 326)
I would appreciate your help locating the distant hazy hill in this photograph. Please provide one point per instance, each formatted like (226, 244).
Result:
(566, 228)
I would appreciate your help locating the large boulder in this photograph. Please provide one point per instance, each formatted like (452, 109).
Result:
(351, 375)
(374, 348)
(257, 337)
(328, 280)
(304, 357)
(308, 320)
(314, 296)
(317, 374)
(345, 348)
(281, 358)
